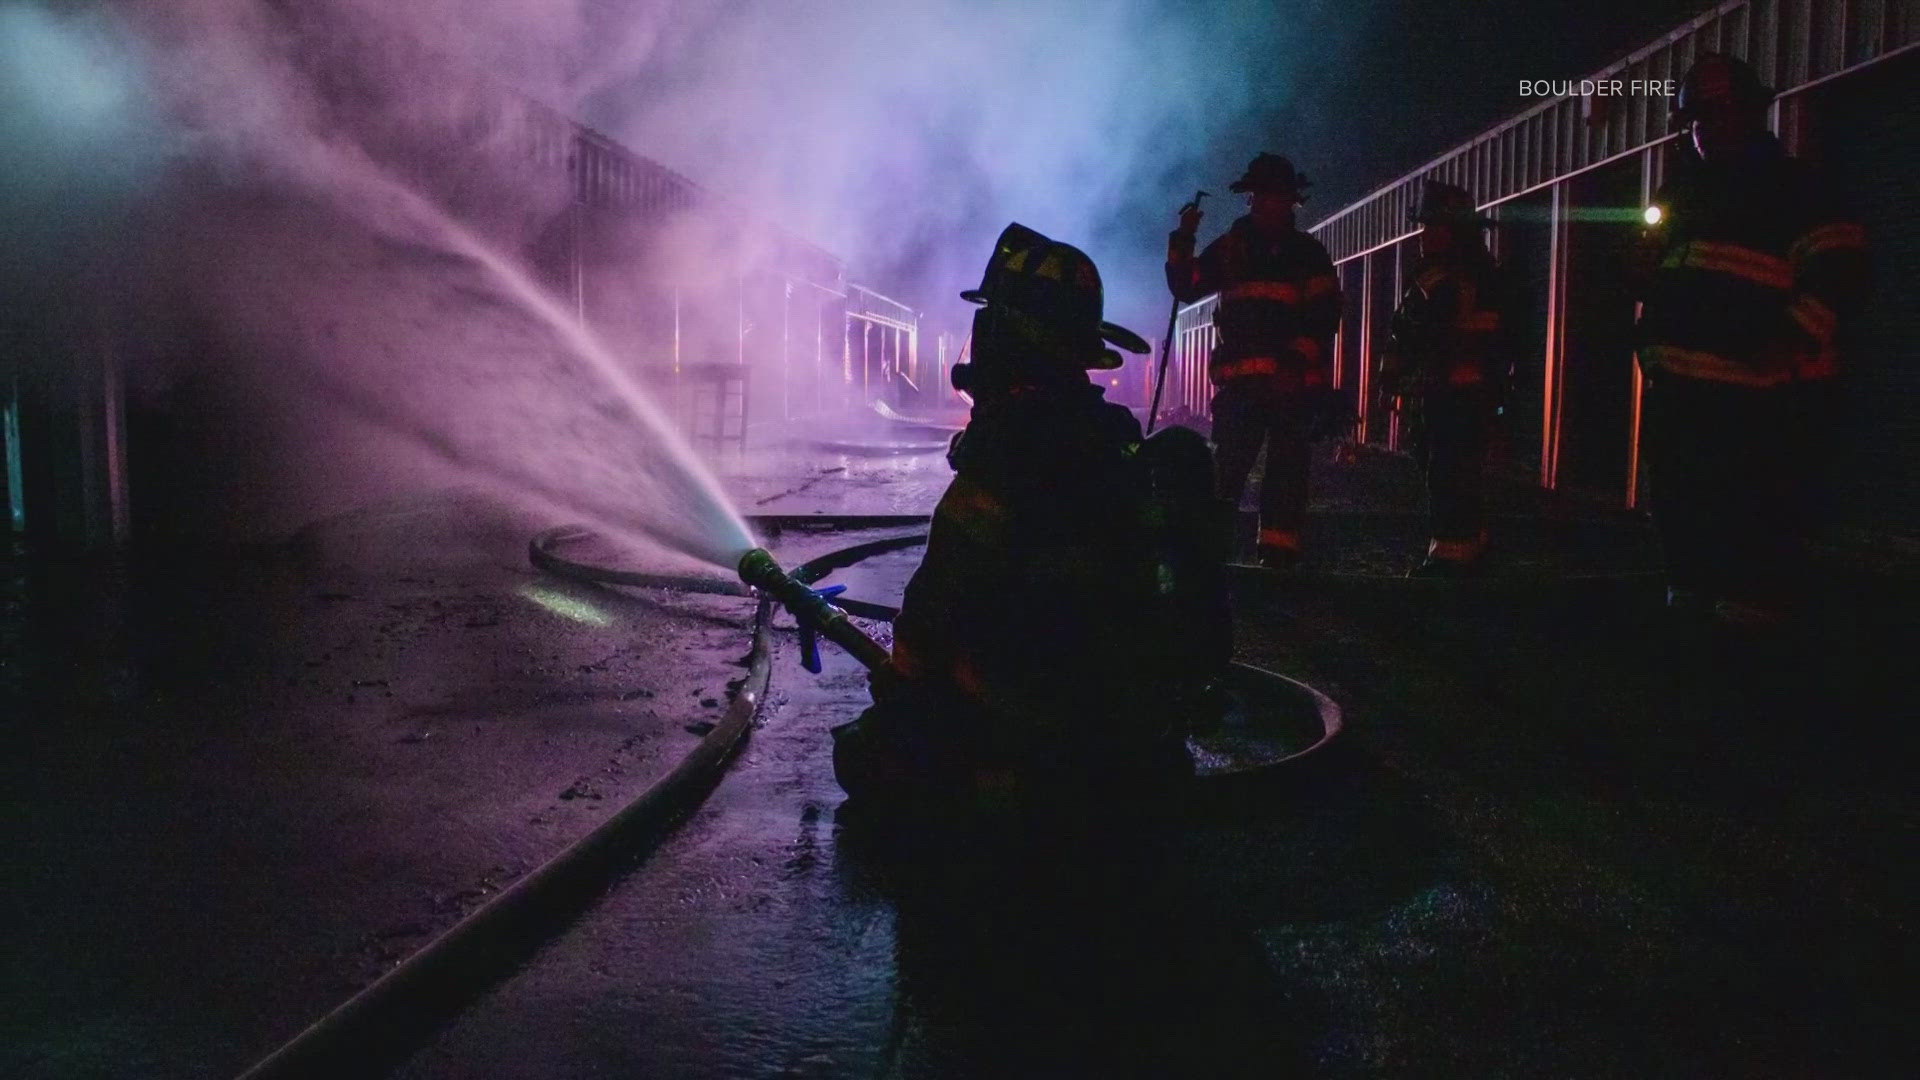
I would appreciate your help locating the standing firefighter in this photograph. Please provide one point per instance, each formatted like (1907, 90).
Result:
(1069, 610)
(1756, 268)
(1279, 307)
(1449, 351)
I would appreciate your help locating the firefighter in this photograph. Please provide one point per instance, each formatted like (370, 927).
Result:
(1272, 365)
(1449, 351)
(1068, 607)
(1752, 267)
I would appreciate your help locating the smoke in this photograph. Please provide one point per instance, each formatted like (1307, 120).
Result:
(323, 292)
(902, 137)
(906, 135)
(78, 139)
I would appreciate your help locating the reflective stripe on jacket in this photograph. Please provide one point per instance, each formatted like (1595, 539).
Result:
(1279, 301)
(1758, 267)
(1455, 322)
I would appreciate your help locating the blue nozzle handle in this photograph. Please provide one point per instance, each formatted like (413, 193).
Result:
(817, 617)
(809, 638)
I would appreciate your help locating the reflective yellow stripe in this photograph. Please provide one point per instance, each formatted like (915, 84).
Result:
(1743, 262)
(1457, 550)
(1321, 286)
(1816, 318)
(1720, 249)
(972, 509)
(1696, 364)
(1252, 365)
(1837, 236)
(904, 662)
(1280, 538)
(1759, 275)
(1285, 292)
(1812, 368)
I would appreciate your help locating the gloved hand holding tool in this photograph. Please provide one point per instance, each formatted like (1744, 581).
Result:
(1190, 216)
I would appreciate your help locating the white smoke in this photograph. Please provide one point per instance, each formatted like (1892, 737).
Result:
(907, 135)
(900, 136)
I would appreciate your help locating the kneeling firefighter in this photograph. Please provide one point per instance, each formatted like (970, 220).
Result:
(1070, 609)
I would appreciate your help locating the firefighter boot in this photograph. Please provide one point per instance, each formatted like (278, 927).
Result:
(1452, 558)
(1278, 549)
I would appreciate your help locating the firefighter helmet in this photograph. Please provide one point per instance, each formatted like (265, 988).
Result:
(1718, 79)
(1058, 286)
(1448, 204)
(1271, 172)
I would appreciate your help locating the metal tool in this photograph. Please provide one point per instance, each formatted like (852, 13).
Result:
(1166, 343)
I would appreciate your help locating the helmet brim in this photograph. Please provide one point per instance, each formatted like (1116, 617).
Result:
(1250, 183)
(1109, 332)
(1123, 337)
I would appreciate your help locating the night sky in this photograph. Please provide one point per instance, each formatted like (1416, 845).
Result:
(1431, 76)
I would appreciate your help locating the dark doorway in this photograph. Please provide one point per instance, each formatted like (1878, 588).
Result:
(1597, 404)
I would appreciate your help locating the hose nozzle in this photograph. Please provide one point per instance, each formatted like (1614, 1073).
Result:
(760, 571)
(812, 610)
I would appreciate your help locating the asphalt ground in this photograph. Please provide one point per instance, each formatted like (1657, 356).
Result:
(775, 934)
(1567, 833)
(241, 784)
(1653, 846)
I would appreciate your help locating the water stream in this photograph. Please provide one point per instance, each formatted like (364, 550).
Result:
(414, 323)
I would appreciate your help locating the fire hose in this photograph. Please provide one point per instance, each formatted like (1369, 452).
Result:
(376, 1028)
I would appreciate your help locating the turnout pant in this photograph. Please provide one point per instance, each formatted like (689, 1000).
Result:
(1251, 410)
(1730, 484)
(1459, 424)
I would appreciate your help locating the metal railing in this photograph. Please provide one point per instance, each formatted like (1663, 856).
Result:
(882, 345)
(1792, 44)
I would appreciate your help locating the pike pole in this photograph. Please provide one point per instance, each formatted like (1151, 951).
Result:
(1166, 342)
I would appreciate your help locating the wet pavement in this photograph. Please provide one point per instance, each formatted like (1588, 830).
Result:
(802, 478)
(773, 935)
(1566, 833)
(242, 784)
(1658, 848)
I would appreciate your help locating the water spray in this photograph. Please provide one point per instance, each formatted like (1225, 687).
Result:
(812, 609)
